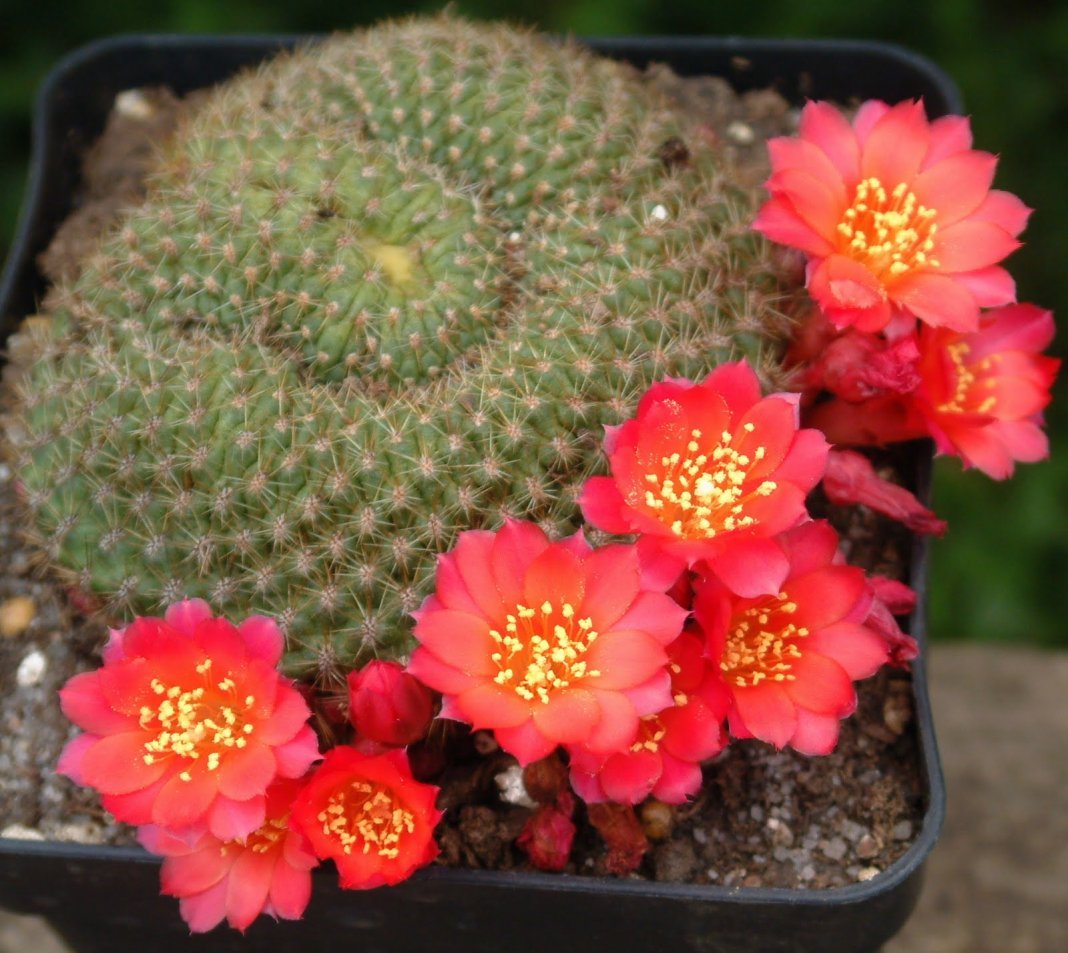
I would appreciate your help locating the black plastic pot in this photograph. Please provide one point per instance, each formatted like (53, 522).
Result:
(106, 899)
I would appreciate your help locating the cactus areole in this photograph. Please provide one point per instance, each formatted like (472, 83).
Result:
(382, 290)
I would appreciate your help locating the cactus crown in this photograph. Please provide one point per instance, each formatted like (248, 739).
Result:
(382, 290)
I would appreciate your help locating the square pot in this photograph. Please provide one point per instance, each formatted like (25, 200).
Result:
(107, 898)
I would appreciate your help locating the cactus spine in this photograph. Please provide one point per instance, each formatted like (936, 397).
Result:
(382, 290)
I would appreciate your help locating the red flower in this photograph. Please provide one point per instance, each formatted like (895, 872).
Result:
(370, 816)
(545, 643)
(709, 472)
(788, 661)
(387, 705)
(895, 214)
(665, 758)
(982, 393)
(267, 872)
(188, 722)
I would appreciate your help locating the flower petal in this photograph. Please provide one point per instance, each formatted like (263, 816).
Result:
(290, 891)
(937, 300)
(246, 772)
(751, 567)
(613, 576)
(655, 614)
(816, 734)
(186, 615)
(957, 186)
(767, 713)
(858, 650)
(821, 685)
(897, 145)
(824, 125)
(969, 246)
(248, 887)
(628, 778)
(569, 716)
(116, 764)
(181, 804)
(555, 576)
(461, 638)
(263, 638)
(625, 658)
(235, 820)
(779, 221)
(82, 701)
(488, 705)
(525, 742)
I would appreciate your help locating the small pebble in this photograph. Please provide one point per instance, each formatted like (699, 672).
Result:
(835, 848)
(741, 132)
(31, 669)
(867, 873)
(867, 847)
(700, 836)
(902, 830)
(511, 787)
(133, 104)
(18, 832)
(5, 473)
(658, 820)
(16, 614)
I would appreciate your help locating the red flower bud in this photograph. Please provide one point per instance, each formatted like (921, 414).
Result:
(388, 705)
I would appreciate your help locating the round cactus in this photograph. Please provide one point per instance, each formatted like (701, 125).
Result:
(382, 290)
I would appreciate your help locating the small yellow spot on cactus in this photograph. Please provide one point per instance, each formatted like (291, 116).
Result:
(395, 260)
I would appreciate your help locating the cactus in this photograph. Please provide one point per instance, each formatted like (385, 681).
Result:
(381, 290)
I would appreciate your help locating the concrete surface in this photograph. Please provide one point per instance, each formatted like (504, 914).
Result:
(998, 881)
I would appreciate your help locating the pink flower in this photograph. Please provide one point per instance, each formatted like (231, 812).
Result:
(369, 815)
(387, 705)
(665, 759)
(788, 661)
(709, 472)
(188, 722)
(895, 214)
(545, 643)
(269, 871)
(982, 394)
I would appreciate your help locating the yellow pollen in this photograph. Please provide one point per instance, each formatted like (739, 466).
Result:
(890, 232)
(707, 491)
(190, 723)
(541, 656)
(762, 643)
(966, 381)
(366, 817)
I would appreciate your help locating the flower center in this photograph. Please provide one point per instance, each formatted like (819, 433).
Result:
(541, 650)
(889, 231)
(762, 643)
(704, 492)
(366, 816)
(266, 837)
(191, 723)
(964, 380)
(650, 733)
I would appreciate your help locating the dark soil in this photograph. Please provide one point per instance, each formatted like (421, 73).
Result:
(763, 817)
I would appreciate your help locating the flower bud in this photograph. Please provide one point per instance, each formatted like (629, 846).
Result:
(388, 705)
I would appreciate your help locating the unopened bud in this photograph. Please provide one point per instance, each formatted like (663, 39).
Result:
(388, 705)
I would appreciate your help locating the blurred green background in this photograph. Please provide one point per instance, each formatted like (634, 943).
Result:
(1001, 573)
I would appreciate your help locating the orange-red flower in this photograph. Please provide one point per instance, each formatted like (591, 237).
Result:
(545, 643)
(269, 871)
(895, 214)
(188, 722)
(665, 759)
(982, 394)
(709, 472)
(788, 661)
(369, 815)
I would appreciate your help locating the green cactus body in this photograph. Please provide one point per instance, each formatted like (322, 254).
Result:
(381, 291)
